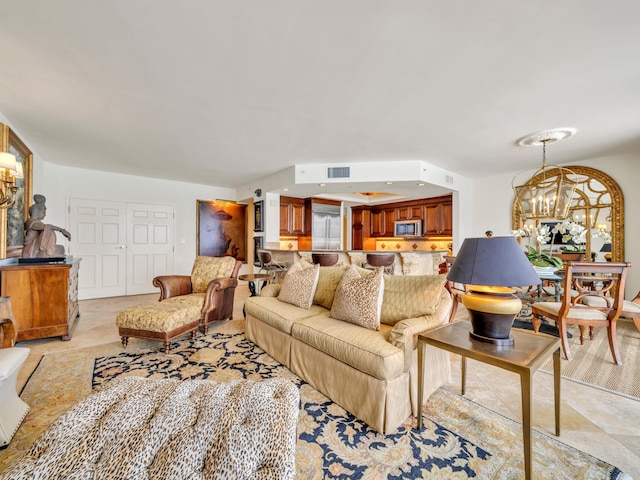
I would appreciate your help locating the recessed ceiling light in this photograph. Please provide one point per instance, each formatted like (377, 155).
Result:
(421, 184)
(323, 184)
(389, 183)
(285, 189)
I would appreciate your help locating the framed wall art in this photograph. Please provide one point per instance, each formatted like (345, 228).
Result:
(258, 225)
(221, 229)
(257, 244)
(12, 219)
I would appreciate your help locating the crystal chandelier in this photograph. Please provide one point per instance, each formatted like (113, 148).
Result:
(549, 191)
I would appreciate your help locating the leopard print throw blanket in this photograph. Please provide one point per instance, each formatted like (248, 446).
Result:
(137, 428)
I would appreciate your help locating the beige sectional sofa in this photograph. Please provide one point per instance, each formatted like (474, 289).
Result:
(371, 373)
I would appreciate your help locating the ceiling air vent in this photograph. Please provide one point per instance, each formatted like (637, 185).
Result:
(338, 172)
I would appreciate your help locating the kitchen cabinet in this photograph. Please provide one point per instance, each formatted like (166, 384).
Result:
(382, 222)
(377, 221)
(292, 216)
(44, 298)
(357, 229)
(438, 219)
(410, 212)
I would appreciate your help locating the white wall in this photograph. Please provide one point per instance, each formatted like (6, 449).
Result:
(63, 183)
(493, 197)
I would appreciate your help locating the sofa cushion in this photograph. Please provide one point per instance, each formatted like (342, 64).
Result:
(358, 299)
(299, 285)
(409, 296)
(279, 315)
(363, 349)
(328, 280)
(206, 269)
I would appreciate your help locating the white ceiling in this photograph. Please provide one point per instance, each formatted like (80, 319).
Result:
(228, 92)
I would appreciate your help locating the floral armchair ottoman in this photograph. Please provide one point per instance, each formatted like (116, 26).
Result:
(186, 302)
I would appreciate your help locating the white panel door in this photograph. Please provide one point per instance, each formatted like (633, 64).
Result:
(98, 236)
(149, 245)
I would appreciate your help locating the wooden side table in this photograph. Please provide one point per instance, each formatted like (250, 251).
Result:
(252, 278)
(255, 277)
(528, 353)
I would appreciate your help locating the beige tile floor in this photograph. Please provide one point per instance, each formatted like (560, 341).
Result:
(603, 424)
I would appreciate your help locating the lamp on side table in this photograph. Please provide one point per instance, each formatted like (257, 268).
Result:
(490, 266)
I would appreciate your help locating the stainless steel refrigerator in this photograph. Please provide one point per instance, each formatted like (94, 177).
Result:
(326, 228)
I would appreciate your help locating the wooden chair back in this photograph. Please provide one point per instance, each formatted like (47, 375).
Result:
(604, 280)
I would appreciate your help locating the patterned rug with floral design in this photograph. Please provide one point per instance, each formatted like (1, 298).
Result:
(461, 439)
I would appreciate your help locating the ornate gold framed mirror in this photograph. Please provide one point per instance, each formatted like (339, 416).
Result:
(598, 205)
(12, 219)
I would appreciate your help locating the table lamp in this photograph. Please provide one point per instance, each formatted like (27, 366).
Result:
(488, 267)
(606, 249)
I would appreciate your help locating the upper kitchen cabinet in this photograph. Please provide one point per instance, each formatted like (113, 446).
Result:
(382, 222)
(435, 213)
(438, 219)
(409, 212)
(292, 216)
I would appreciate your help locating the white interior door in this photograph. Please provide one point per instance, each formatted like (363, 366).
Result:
(149, 245)
(98, 236)
(122, 246)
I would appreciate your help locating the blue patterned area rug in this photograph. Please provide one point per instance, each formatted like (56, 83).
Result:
(460, 439)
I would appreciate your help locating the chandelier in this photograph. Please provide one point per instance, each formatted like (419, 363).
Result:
(10, 170)
(549, 191)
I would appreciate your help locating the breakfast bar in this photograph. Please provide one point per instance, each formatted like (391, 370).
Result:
(406, 262)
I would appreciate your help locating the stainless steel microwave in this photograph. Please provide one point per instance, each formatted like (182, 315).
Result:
(407, 228)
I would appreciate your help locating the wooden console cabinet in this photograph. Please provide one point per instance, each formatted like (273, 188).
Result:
(44, 298)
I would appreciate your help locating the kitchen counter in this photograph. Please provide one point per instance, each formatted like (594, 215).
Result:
(407, 262)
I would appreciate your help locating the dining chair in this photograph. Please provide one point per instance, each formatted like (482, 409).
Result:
(603, 281)
(630, 308)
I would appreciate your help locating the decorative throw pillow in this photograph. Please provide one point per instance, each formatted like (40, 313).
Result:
(328, 281)
(358, 299)
(206, 269)
(299, 285)
(409, 296)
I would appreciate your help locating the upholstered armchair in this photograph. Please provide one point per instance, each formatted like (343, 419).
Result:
(210, 283)
(186, 302)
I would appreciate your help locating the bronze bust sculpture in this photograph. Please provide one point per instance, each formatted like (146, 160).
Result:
(40, 237)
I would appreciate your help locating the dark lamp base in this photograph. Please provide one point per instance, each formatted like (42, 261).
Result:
(492, 316)
(492, 327)
(501, 342)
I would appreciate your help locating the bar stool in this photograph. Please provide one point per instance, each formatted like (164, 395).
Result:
(325, 259)
(385, 260)
(271, 266)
